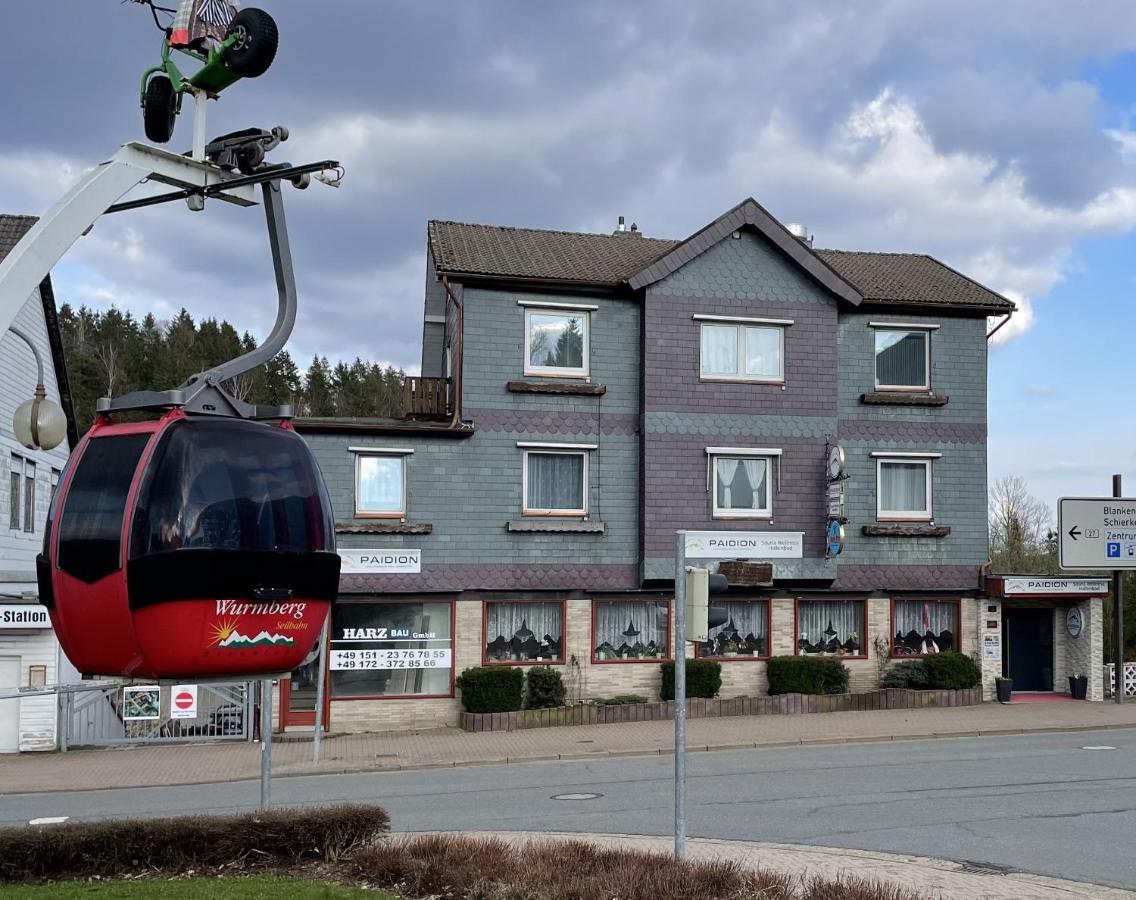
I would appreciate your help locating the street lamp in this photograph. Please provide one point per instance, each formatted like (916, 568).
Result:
(39, 423)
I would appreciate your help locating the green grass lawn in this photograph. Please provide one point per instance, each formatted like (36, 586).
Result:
(268, 887)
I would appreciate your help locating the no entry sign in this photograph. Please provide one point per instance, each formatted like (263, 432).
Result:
(183, 701)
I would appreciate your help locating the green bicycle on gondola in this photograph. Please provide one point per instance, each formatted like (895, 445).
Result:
(232, 44)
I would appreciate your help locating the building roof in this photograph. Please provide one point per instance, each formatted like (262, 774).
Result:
(626, 258)
(12, 229)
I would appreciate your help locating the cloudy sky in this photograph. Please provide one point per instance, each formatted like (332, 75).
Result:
(1000, 137)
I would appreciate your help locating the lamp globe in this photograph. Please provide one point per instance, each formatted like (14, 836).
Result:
(39, 423)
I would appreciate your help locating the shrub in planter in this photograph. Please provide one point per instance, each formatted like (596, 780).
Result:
(544, 688)
(951, 671)
(489, 689)
(807, 675)
(910, 674)
(621, 700)
(703, 679)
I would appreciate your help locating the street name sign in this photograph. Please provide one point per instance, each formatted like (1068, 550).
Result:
(1096, 532)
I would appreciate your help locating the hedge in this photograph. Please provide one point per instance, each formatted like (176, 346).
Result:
(703, 679)
(951, 671)
(807, 675)
(273, 839)
(544, 688)
(489, 689)
(910, 673)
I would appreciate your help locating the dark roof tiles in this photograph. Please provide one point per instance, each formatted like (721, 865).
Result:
(529, 254)
(12, 228)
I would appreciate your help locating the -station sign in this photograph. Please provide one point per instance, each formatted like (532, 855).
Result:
(385, 561)
(23, 615)
(745, 544)
(1096, 532)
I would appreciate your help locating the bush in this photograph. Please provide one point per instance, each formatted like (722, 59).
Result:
(278, 838)
(490, 689)
(703, 679)
(545, 688)
(951, 671)
(621, 700)
(910, 674)
(807, 675)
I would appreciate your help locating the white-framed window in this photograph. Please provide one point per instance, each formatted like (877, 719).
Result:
(903, 358)
(903, 487)
(380, 481)
(557, 341)
(29, 495)
(739, 351)
(741, 483)
(555, 479)
(15, 477)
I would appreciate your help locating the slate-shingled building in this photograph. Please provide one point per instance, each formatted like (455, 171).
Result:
(584, 396)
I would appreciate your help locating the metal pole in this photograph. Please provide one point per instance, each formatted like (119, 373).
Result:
(321, 675)
(680, 694)
(1118, 614)
(266, 743)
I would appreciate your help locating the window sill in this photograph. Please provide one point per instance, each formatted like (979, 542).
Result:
(620, 661)
(733, 379)
(900, 398)
(737, 657)
(556, 525)
(522, 662)
(545, 387)
(383, 528)
(906, 529)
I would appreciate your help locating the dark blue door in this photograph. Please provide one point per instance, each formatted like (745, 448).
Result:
(1029, 648)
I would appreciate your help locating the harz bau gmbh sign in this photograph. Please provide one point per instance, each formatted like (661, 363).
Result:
(745, 544)
(24, 615)
(380, 562)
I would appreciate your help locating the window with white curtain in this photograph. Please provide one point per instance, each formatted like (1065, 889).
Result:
(629, 629)
(903, 489)
(743, 634)
(524, 631)
(902, 360)
(555, 483)
(924, 626)
(834, 627)
(556, 342)
(741, 487)
(732, 352)
(380, 485)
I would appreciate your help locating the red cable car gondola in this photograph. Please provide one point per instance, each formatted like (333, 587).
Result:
(189, 547)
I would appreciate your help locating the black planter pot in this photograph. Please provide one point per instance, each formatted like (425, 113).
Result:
(1078, 687)
(1003, 686)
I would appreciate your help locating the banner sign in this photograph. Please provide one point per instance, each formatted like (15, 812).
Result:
(1054, 586)
(347, 660)
(745, 544)
(380, 562)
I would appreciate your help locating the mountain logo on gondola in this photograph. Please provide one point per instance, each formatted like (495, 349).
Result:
(225, 635)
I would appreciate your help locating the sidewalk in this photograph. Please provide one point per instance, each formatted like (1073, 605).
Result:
(203, 763)
(935, 879)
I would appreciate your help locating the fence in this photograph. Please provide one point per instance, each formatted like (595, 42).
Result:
(1129, 679)
(102, 716)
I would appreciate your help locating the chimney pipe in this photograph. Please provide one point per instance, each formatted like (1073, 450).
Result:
(800, 232)
(620, 227)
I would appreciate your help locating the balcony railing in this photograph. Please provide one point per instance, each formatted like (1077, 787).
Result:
(426, 397)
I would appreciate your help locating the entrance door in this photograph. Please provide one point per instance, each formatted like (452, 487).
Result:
(9, 710)
(1029, 648)
(298, 694)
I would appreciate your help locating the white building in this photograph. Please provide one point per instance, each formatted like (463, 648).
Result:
(29, 651)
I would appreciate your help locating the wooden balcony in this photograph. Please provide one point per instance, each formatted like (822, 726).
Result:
(425, 398)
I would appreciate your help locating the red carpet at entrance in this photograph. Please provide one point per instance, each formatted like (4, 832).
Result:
(1042, 698)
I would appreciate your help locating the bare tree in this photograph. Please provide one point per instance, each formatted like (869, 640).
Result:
(109, 355)
(1021, 528)
(240, 386)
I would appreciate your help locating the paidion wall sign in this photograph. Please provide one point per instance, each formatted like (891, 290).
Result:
(745, 544)
(24, 615)
(380, 562)
(1096, 532)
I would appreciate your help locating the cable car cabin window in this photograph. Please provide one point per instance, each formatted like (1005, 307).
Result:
(90, 529)
(229, 485)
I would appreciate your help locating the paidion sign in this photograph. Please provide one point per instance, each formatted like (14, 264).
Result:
(183, 701)
(745, 544)
(1096, 532)
(380, 562)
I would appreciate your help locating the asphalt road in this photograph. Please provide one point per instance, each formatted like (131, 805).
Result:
(1034, 803)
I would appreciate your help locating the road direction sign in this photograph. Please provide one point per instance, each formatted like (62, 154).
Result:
(1096, 533)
